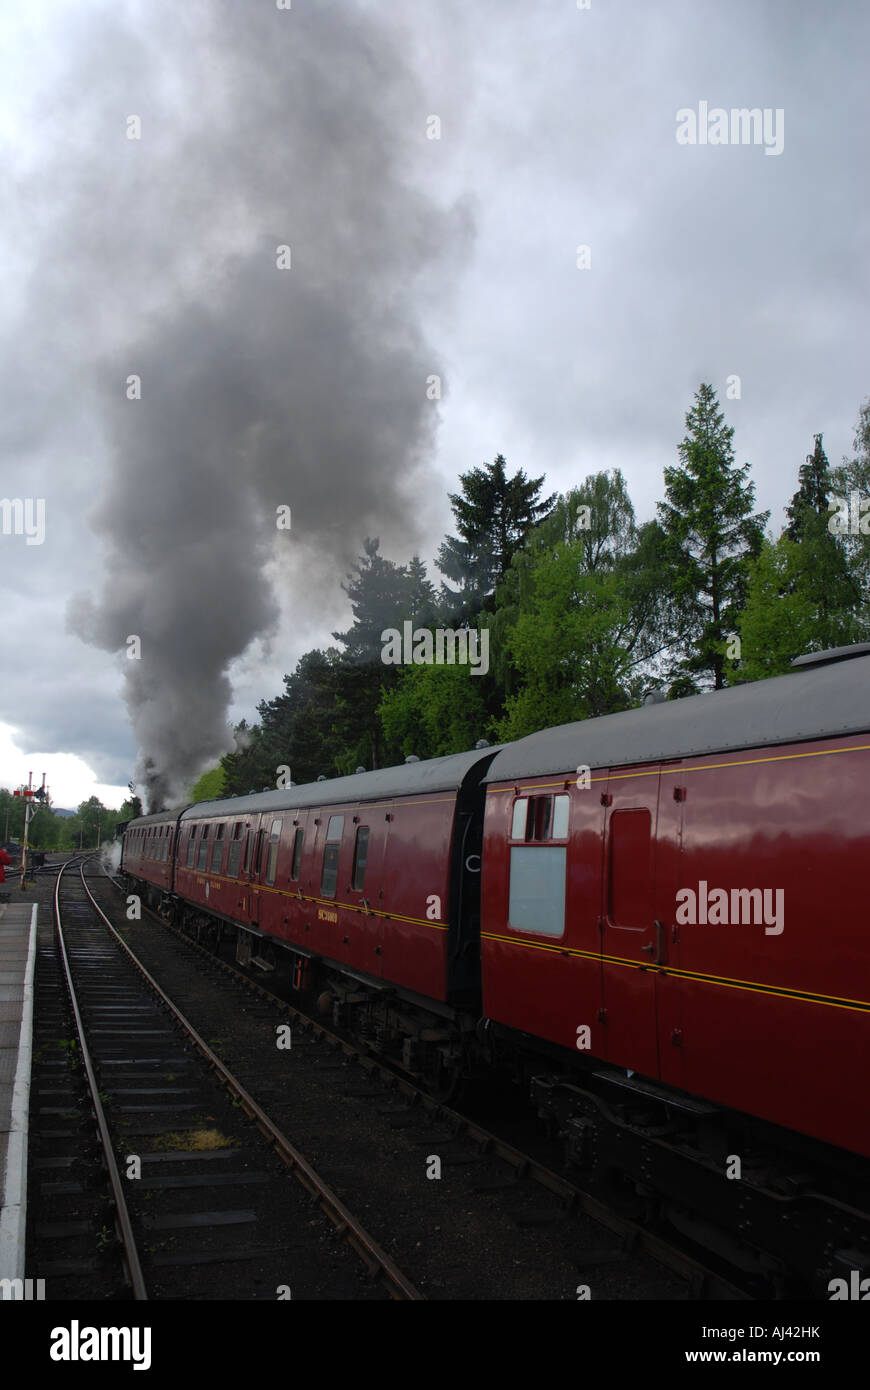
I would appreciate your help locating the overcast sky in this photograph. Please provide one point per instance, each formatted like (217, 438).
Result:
(156, 257)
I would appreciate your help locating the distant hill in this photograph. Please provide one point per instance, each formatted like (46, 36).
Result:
(59, 811)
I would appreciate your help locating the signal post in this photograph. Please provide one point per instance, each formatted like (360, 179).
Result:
(29, 795)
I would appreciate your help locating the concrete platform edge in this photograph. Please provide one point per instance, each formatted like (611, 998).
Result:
(13, 1218)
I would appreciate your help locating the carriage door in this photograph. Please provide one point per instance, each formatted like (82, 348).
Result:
(631, 942)
(250, 898)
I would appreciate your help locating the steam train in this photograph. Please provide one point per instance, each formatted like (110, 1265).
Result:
(658, 918)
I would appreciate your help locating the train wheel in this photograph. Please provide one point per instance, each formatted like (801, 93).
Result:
(444, 1081)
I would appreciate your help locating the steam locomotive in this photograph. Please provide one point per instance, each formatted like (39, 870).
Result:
(657, 918)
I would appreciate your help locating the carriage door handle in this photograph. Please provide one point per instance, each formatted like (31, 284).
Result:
(656, 950)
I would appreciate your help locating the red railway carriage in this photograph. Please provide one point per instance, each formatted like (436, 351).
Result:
(148, 851)
(376, 873)
(694, 908)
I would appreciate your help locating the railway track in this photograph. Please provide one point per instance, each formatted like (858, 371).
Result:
(153, 1172)
(493, 1166)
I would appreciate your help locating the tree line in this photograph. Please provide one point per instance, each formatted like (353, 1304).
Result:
(89, 825)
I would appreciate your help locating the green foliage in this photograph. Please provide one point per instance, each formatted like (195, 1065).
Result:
(132, 807)
(586, 615)
(803, 594)
(801, 598)
(811, 499)
(777, 621)
(421, 603)
(493, 514)
(12, 813)
(566, 646)
(314, 727)
(210, 786)
(43, 830)
(434, 710)
(711, 534)
(49, 831)
(378, 591)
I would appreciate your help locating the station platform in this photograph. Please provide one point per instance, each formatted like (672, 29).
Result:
(17, 966)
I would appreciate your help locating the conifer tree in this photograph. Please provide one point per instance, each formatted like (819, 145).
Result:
(711, 533)
(378, 593)
(801, 595)
(421, 604)
(811, 498)
(493, 514)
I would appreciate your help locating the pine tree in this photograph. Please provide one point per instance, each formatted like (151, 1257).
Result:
(801, 595)
(711, 533)
(378, 592)
(493, 514)
(800, 599)
(421, 604)
(811, 498)
(821, 568)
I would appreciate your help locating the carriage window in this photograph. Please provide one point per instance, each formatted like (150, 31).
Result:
(191, 847)
(330, 856)
(202, 862)
(297, 853)
(537, 889)
(560, 817)
(540, 818)
(272, 860)
(217, 850)
(235, 853)
(360, 854)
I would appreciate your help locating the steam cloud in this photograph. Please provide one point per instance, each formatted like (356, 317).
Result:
(260, 387)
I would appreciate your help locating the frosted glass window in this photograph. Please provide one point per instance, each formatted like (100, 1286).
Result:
(537, 889)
